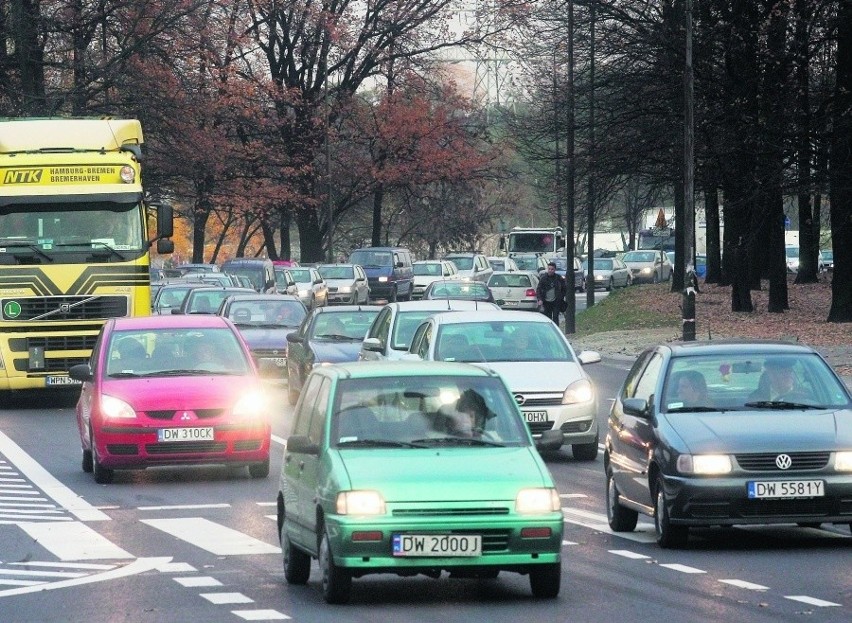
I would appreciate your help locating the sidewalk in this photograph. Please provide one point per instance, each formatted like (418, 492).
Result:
(627, 345)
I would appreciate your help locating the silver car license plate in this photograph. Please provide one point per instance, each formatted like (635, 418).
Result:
(437, 545)
(785, 489)
(535, 416)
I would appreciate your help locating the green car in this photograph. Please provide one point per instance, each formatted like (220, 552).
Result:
(415, 467)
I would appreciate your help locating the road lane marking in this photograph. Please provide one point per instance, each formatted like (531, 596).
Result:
(176, 567)
(45, 574)
(682, 568)
(197, 582)
(4, 582)
(813, 601)
(572, 495)
(65, 565)
(182, 507)
(597, 521)
(747, 585)
(279, 440)
(227, 598)
(212, 537)
(260, 615)
(44, 481)
(628, 554)
(74, 541)
(140, 565)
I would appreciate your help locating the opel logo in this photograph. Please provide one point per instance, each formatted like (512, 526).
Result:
(783, 461)
(519, 398)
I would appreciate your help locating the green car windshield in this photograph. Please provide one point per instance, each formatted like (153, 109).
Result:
(425, 412)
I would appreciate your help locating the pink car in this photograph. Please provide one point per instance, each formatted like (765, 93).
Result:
(171, 390)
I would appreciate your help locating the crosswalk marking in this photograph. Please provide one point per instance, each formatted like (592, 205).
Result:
(213, 537)
(813, 601)
(260, 615)
(74, 541)
(195, 582)
(227, 598)
(682, 568)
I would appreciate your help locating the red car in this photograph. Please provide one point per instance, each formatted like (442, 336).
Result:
(171, 390)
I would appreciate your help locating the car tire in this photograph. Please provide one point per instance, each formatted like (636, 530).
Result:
(609, 285)
(103, 475)
(620, 519)
(292, 397)
(392, 297)
(259, 470)
(86, 463)
(585, 451)
(546, 580)
(668, 536)
(336, 582)
(656, 278)
(297, 564)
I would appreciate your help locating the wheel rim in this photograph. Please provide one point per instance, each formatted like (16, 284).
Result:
(324, 562)
(610, 497)
(659, 512)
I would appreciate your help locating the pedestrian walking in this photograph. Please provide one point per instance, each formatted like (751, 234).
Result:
(551, 292)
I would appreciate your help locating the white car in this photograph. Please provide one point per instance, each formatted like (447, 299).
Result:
(390, 334)
(427, 271)
(535, 359)
(347, 283)
(312, 289)
(471, 266)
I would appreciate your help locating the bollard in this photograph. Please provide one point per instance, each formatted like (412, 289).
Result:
(688, 312)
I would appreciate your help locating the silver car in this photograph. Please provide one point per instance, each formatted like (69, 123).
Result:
(503, 263)
(610, 272)
(390, 334)
(533, 357)
(648, 266)
(312, 289)
(347, 283)
(472, 266)
(427, 271)
(515, 290)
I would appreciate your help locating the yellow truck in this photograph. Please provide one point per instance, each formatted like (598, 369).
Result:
(74, 246)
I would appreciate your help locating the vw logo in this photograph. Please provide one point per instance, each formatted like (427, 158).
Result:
(783, 461)
(519, 399)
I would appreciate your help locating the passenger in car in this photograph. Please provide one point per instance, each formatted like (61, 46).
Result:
(691, 388)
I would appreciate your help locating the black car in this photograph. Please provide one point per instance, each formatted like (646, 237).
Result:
(327, 335)
(727, 433)
(458, 290)
(265, 321)
(207, 299)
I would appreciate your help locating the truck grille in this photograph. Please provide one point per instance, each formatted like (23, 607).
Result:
(51, 343)
(63, 308)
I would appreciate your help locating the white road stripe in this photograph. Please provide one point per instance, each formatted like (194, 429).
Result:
(628, 554)
(44, 481)
(16, 519)
(213, 537)
(266, 503)
(43, 574)
(746, 585)
(813, 601)
(572, 495)
(31, 511)
(13, 480)
(682, 568)
(596, 521)
(9, 485)
(9, 498)
(182, 507)
(9, 489)
(26, 505)
(4, 582)
(195, 582)
(65, 565)
(227, 598)
(260, 615)
(176, 567)
(74, 541)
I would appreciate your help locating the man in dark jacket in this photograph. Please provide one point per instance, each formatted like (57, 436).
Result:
(551, 292)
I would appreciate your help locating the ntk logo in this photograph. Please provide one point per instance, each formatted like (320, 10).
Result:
(22, 176)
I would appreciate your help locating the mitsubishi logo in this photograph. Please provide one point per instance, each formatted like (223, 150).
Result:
(783, 461)
(519, 399)
(185, 416)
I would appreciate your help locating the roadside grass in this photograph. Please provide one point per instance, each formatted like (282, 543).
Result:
(626, 309)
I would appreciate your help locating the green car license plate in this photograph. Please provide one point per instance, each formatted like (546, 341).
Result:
(437, 545)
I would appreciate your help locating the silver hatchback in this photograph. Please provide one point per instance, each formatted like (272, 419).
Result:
(515, 290)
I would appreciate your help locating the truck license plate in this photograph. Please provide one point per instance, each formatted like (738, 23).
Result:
(437, 545)
(60, 380)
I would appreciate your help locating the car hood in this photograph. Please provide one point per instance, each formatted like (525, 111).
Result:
(340, 283)
(639, 264)
(335, 352)
(536, 376)
(265, 338)
(188, 393)
(446, 474)
(762, 431)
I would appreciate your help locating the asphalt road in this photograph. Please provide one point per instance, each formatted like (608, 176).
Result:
(199, 544)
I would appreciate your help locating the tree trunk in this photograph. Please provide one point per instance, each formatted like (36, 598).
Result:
(25, 24)
(285, 218)
(199, 228)
(310, 236)
(841, 171)
(378, 199)
(711, 217)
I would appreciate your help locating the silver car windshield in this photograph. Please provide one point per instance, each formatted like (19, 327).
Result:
(501, 341)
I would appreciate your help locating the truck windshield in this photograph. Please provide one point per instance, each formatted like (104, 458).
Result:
(60, 227)
(533, 242)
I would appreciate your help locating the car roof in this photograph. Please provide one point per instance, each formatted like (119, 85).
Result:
(171, 321)
(737, 347)
(484, 315)
(247, 296)
(336, 309)
(428, 261)
(378, 369)
(438, 304)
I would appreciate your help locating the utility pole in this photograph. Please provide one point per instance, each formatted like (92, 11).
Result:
(590, 226)
(689, 149)
(571, 309)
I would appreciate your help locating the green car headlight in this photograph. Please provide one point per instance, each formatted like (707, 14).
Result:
(360, 503)
(540, 500)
